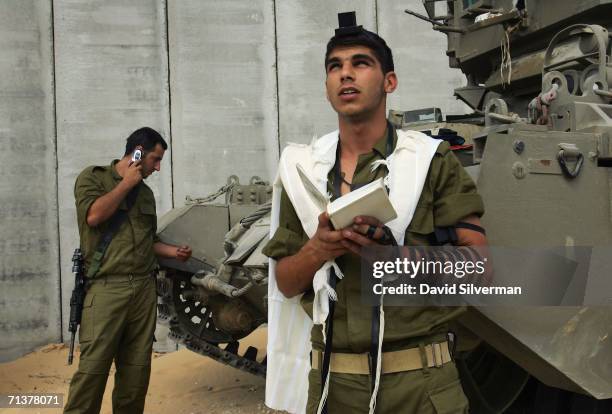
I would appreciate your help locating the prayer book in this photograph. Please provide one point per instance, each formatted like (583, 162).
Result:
(370, 200)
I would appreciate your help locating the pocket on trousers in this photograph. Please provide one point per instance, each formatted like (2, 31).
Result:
(449, 399)
(86, 328)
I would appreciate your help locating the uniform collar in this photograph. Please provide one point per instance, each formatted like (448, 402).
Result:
(380, 147)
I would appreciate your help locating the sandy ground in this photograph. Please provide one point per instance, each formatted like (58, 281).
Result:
(182, 382)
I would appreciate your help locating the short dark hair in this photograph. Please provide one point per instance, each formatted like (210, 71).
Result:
(145, 137)
(371, 40)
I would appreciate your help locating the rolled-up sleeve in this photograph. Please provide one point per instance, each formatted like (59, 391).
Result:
(290, 237)
(455, 194)
(87, 189)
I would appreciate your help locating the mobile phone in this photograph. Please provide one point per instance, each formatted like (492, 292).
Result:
(137, 155)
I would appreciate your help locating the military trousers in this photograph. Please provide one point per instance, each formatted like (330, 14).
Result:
(424, 391)
(118, 325)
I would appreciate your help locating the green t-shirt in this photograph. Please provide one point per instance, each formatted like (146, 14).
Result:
(448, 195)
(131, 249)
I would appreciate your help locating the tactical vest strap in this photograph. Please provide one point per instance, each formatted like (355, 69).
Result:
(113, 227)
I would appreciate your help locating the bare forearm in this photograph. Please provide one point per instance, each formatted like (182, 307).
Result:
(468, 237)
(294, 274)
(181, 253)
(164, 250)
(105, 206)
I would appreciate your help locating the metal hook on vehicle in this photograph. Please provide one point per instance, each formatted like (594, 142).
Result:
(570, 151)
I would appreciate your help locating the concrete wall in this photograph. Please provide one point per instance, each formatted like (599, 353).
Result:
(223, 83)
(29, 278)
(228, 83)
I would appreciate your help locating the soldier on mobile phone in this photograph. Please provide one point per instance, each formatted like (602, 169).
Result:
(117, 227)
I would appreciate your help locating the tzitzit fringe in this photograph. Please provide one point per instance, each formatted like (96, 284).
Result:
(326, 386)
(381, 333)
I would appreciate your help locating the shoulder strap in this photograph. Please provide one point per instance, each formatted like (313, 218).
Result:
(113, 226)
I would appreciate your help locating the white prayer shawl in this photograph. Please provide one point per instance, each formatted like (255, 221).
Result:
(289, 346)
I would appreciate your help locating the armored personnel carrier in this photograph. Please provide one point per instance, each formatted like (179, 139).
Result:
(538, 145)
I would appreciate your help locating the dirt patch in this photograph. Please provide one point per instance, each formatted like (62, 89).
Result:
(182, 382)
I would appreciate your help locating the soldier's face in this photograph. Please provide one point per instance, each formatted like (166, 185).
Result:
(355, 84)
(152, 161)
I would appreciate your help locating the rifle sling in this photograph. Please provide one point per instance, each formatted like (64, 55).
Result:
(113, 227)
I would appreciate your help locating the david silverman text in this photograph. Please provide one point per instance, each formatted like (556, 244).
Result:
(461, 289)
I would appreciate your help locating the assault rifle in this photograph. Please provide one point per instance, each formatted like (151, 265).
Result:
(77, 299)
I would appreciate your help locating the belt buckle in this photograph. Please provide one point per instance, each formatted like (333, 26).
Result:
(436, 350)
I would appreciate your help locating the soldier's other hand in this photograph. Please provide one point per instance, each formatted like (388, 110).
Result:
(133, 174)
(365, 231)
(183, 253)
(326, 244)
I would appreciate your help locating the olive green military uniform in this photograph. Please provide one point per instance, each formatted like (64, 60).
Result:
(119, 311)
(448, 195)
